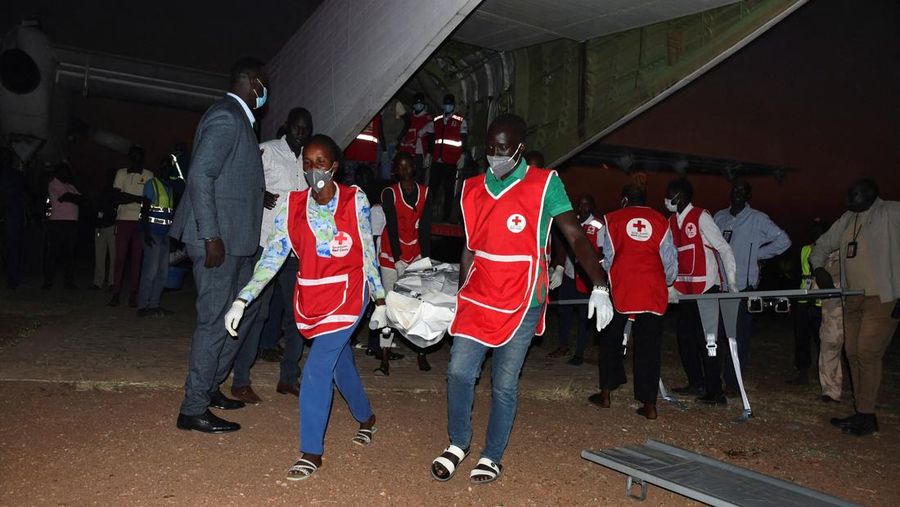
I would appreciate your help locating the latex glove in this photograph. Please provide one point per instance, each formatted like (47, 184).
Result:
(600, 302)
(556, 276)
(461, 162)
(426, 162)
(400, 267)
(673, 294)
(378, 320)
(732, 288)
(233, 317)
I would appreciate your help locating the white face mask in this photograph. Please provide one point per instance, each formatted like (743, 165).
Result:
(672, 204)
(501, 165)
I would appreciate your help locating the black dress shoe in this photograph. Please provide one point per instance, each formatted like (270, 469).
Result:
(689, 390)
(715, 399)
(843, 422)
(218, 400)
(206, 422)
(865, 424)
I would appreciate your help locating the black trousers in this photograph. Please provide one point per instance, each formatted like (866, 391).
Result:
(441, 182)
(807, 321)
(646, 342)
(701, 370)
(61, 238)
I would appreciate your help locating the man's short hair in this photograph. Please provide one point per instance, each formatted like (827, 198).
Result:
(449, 99)
(682, 186)
(297, 113)
(245, 67)
(636, 194)
(513, 121)
(328, 143)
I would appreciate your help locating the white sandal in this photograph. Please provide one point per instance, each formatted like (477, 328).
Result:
(485, 471)
(450, 460)
(364, 436)
(301, 470)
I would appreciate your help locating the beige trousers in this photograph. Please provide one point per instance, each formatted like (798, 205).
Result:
(104, 248)
(868, 329)
(831, 336)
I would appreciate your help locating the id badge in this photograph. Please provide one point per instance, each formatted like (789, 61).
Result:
(727, 235)
(851, 249)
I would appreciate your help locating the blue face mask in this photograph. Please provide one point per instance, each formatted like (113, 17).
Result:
(449, 108)
(418, 107)
(261, 100)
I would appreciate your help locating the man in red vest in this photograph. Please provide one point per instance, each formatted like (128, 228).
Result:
(447, 136)
(507, 214)
(703, 253)
(641, 260)
(363, 151)
(417, 122)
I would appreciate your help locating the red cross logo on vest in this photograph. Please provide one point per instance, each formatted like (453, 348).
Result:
(515, 223)
(340, 245)
(690, 230)
(639, 229)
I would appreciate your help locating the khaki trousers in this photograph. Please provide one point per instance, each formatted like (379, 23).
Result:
(104, 248)
(868, 329)
(831, 336)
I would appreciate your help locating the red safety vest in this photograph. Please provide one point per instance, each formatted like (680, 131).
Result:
(591, 230)
(637, 277)
(407, 227)
(510, 264)
(365, 147)
(691, 252)
(447, 138)
(417, 122)
(330, 290)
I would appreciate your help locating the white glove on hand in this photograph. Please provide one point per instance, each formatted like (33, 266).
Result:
(556, 276)
(600, 302)
(400, 267)
(379, 318)
(461, 162)
(233, 317)
(732, 288)
(673, 295)
(426, 162)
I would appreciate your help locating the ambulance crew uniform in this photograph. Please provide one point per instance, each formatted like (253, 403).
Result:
(404, 234)
(502, 303)
(337, 274)
(362, 151)
(412, 139)
(698, 240)
(641, 260)
(447, 155)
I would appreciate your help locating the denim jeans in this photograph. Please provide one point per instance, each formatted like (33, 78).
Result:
(154, 272)
(466, 358)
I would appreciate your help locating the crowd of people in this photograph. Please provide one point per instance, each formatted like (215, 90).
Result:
(286, 245)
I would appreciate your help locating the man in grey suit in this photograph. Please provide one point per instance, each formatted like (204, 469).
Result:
(219, 222)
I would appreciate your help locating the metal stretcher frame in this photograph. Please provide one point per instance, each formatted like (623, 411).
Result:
(711, 305)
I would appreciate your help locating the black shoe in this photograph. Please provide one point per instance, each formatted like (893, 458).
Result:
(689, 390)
(865, 424)
(423, 363)
(828, 399)
(576, 360)
(716, 399)
(206, 423)
(843, 422)
(218, 400)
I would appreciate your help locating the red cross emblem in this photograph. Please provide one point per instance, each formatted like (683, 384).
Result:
(515, 223)
(341, 238)
(638, 230)
(639, 225)
(340, 245)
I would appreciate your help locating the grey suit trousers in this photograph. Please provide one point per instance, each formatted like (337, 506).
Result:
(212, 349)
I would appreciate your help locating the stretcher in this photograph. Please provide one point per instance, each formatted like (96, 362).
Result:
(727, 304)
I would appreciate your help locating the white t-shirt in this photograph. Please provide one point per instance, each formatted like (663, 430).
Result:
(131, 183)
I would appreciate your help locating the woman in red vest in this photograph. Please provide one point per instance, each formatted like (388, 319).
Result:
(407, 237)
(328, 228)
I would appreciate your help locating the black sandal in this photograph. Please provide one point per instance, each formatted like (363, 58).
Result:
(485, 471)
(448, 461)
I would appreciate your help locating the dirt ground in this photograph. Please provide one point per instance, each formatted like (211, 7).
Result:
(89, 397)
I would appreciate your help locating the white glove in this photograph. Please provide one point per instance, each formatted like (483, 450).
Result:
(379, 318)
(400, 267)
(556, 276)
(732, 287)
(426, 162)
(600, 302)
(233, 317)
(673, 294)
(461, 162)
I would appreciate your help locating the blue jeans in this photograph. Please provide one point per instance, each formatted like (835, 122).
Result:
(329, 363)
(466, 358)
(154, 272)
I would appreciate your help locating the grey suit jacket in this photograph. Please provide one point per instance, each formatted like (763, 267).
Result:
(225, 184)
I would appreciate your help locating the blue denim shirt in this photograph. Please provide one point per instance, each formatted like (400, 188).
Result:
(753, 237)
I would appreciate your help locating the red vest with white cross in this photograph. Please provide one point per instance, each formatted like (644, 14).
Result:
(330, 291)
(416, 124)
(407, 227)
(510, 264)
(691, 252)
(365, 147)
(591, 230)
(447, 138)
(637, 277)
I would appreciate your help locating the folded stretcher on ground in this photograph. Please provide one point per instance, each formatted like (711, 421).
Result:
(423, 301)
